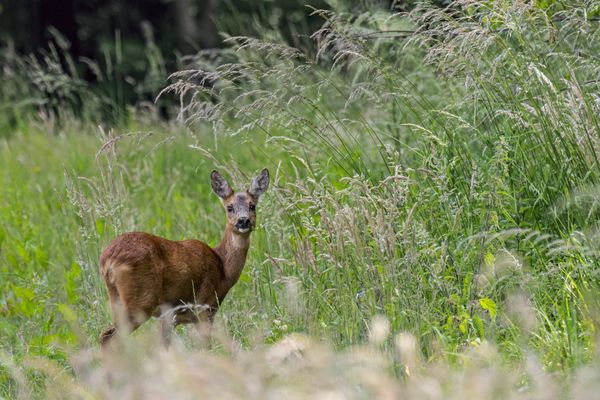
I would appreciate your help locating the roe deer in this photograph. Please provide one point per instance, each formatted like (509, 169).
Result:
(147, 275)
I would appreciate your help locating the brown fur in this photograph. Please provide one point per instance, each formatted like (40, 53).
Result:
(147, 275)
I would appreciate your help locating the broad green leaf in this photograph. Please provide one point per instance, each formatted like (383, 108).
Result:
(489, 305)
(100, 225)
(71, 282)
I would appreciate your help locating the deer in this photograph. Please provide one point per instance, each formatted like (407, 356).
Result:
(148, 275)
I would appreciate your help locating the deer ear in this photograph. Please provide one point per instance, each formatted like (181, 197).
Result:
(260, 184)
(220, 185)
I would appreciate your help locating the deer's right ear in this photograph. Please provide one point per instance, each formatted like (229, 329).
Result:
(220, 185)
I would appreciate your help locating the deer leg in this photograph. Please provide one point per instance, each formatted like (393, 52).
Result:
(123, 316)
(169, 319)
(107, 335)
(130, 306)
(204, 324)
(167, 326)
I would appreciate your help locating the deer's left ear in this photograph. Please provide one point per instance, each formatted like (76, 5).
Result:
(260, 184)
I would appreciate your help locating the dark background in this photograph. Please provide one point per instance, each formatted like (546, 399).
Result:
(124, 51)
(183, 26)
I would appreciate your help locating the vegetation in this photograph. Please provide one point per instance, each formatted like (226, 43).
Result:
(430, 231)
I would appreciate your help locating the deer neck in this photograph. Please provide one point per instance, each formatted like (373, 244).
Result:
(233, 250)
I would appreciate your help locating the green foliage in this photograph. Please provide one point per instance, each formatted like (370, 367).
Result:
(446, 180)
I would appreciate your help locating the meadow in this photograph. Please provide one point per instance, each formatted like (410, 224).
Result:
(431, 229)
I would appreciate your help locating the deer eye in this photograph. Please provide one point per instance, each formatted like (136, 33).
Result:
(252, 207)
(230, 209)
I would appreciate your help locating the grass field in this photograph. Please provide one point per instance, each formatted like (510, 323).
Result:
(431, 230)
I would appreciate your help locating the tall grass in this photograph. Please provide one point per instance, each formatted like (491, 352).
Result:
(435, 176)
(483, 141)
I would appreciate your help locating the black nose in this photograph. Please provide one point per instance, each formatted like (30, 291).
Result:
(243, 222)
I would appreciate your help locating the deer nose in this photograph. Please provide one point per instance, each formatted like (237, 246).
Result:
(243, 222)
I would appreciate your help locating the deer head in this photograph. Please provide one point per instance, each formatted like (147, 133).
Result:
(240, 206)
